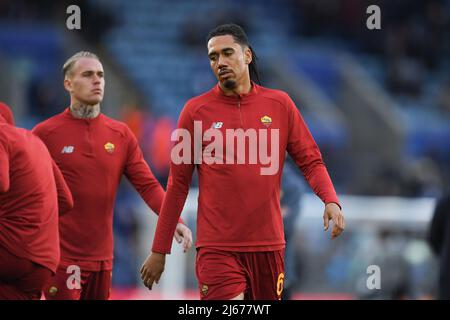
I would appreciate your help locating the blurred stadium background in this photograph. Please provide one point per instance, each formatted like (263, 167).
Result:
(377, 102)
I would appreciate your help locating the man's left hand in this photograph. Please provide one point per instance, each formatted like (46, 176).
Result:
(333, 212)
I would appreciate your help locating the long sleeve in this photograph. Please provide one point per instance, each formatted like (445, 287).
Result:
(4, 168)
(177, 185)
(65, 199)
(141, 177)
(303, 149)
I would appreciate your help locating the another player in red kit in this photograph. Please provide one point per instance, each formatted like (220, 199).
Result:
(93, 151)
(240, 240)
(31, 190)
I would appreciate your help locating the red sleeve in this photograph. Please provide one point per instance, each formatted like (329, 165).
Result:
(303, 149)
(65, 200)
(141, 177)
(4, 168)
(177, 186)
(38, 131)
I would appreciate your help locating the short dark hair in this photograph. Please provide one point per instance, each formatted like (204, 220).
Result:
(240, 37)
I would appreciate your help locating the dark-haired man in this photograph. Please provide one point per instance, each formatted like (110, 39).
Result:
(93, 151)
(240, 240)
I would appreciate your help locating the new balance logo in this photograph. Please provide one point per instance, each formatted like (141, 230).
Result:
(67, 149)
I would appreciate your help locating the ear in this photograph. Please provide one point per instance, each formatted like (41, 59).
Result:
(68, 84)
(248, 56)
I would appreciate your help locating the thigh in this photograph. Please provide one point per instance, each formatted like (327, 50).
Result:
(12, 267)
(21, 278)
(33, 283)
(11, 292)
(28, 287)
(266, 271)
(220, 275)
(98, 286)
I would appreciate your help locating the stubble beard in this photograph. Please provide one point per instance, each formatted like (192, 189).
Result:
(229, 84)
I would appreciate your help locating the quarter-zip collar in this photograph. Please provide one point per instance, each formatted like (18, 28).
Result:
(69, 115)
(217, 90)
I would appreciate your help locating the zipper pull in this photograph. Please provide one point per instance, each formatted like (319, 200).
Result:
(240, 113)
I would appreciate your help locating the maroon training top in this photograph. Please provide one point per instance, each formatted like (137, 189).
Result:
(30, 187)
(93, 154)
(238, 206)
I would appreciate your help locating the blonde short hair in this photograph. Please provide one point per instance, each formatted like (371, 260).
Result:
(68, 65)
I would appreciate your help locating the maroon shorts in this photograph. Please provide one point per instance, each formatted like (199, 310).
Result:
(223, 275)
(21, 279)
(72, 283)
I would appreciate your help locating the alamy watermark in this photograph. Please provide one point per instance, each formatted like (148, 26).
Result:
(374, 20)
(74, 20)
(235, 146)
(74, 280)
(374, 280)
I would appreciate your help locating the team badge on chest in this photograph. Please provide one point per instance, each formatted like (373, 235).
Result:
(266, 120)
(109, 147)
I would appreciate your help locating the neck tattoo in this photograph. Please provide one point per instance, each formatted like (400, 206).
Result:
(82, 111)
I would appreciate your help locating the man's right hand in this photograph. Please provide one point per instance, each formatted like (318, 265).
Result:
(152, 269)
